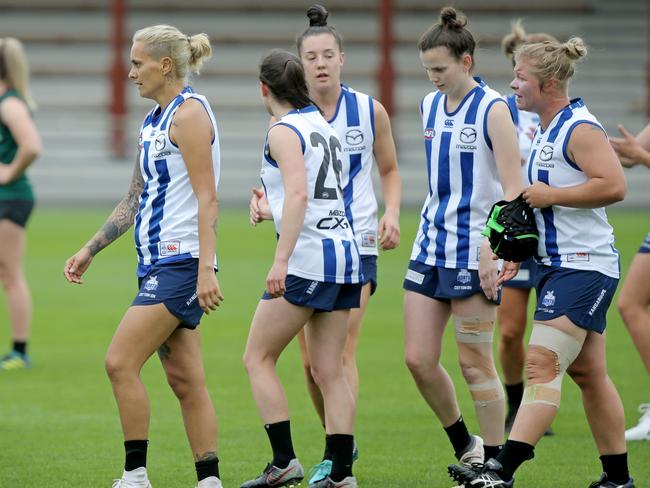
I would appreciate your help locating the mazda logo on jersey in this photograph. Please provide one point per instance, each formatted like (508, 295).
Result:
(329, 223)
(159, 143)
(354, 137)
(468, 135)
(546, 153)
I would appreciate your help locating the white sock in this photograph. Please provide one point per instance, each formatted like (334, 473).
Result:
(138, 475)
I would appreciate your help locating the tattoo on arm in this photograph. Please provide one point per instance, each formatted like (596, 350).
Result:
(122, 217)
(206, 456)
(164, 351)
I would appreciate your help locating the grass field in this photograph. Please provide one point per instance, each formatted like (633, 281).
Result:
(59, 425)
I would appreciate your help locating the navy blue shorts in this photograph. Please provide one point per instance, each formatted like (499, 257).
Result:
(321, 296)
(369, 268)
(645, 247)
(173, 284)
(17, 211)
(443, 284)
(526, 277)
(583, 296)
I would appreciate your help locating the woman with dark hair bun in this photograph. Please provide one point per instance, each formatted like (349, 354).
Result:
(573, 174)
(364, 130)
(472, 160)
(315, 276)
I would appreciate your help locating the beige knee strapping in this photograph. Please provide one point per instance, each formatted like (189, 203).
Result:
(474, 330)
(486, 392)
(566, 349)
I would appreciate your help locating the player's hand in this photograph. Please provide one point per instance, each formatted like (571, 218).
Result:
(628, 148)
(487, 271)
(207, 290)
(77, 265)
(508, 271)
(259, 207)
(275, 280)
(389, 231)
(538, 195)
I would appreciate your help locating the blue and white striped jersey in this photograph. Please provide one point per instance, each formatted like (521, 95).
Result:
(354, 122)
(166, 226)
(463, 181)
(577, 238)
(326, 249)
(525, 123)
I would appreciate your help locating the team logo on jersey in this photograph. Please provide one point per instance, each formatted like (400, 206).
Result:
(549, 299)
(468, 135)
(429, 133)
(151, 284)
(464, 277)
(159, 143)
(354, 137)
(546, 153)
(449, 123)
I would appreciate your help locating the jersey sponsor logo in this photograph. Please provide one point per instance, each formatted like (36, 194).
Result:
(549, 299)
(546, 153)
(159, 143)
(354, 137)
(151, 284)
(189, 301)
(468, 135)
(415, 277)
(162, 154)
(169, 248)
(312, 287)
(578, 257)
(369, 240)
(449, 123)
(331, 223)
(429, 133)
(597, 302)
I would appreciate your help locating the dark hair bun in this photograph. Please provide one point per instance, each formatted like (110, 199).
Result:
(451, 19)
(317, 15)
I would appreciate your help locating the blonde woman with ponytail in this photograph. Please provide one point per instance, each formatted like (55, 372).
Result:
(173, 203)
(573, 173)
(513, 310)
(20, 145)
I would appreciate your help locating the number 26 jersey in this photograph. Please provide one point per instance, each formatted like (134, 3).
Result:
(326, 249)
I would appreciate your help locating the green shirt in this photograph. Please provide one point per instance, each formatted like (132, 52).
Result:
(20, 188)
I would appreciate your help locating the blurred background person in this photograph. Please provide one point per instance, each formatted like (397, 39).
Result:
(20, 145)
(634, 298)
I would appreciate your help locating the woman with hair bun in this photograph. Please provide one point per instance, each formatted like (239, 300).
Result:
(20, 145)
(315, 277)
(364, 131)
(173, 202)
(472, 160)
(573, 173)
(513, 310)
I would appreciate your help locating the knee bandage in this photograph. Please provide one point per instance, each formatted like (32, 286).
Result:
(486, 392)
(474, 330)
(566, 349)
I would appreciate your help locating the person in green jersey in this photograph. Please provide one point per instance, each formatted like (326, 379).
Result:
(20, 145)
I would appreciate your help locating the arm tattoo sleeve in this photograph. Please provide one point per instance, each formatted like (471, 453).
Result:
(123, 215)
